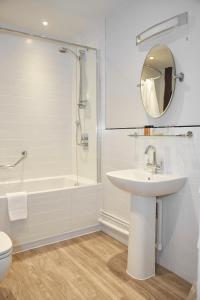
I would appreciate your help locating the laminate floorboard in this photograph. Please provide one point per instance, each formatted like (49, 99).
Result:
(85, 268)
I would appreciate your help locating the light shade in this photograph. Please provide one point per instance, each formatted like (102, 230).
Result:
(161, 27)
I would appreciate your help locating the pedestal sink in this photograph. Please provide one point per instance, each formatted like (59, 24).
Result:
(144, 188)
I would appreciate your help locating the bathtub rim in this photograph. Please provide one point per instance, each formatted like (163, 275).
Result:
(70, 177)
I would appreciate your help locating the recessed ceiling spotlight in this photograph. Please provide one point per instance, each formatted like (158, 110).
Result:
(45, 23)
(28, 41)
(151, 57)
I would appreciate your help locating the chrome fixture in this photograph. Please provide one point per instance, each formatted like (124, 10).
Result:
(179, 76)
(152, 163)
(162, 27)
(84, 140)
(82, 103)
(24, 156)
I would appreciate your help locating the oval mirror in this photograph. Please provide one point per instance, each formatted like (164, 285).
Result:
(157, 82)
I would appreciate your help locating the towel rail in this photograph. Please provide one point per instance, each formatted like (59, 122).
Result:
(24, 156)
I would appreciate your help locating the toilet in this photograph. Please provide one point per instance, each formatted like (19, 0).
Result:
(5, 254)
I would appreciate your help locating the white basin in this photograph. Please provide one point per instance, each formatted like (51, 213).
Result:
(143, 183)
(144, 187)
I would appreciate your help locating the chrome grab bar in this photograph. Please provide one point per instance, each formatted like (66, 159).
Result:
(24, 156)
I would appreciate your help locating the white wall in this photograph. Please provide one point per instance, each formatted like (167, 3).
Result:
(124, 108)
(35, 107)
(125, 60)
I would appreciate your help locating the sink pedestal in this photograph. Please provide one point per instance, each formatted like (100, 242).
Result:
(147, 186)
(141, 246)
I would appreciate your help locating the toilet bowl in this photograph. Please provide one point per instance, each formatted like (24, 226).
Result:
(5, 254)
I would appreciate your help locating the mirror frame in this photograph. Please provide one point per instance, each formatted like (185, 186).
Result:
(172, 95)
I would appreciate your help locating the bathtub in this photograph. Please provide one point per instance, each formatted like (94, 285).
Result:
(46, 184)
(57, 210)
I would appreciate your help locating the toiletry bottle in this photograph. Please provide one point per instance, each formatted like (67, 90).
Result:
(147, 130)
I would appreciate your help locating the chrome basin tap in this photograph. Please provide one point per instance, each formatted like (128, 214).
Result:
(152, 162)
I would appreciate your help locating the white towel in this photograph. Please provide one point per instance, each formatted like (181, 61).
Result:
(17, 206)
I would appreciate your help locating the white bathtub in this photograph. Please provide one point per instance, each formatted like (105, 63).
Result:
(46, 184)
(57, 210)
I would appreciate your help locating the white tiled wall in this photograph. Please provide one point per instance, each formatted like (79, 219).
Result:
(38, 91)
(35, 107)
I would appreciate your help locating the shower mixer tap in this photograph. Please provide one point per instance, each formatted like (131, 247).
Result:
(84, 140)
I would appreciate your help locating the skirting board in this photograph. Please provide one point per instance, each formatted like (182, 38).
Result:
(114, 227)
(56, 239)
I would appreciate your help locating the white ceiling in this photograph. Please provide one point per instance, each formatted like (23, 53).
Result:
(67, 18)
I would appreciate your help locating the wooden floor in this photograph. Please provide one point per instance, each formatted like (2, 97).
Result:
(89, 267)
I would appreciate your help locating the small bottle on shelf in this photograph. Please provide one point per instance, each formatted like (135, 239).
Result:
(147, 130)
